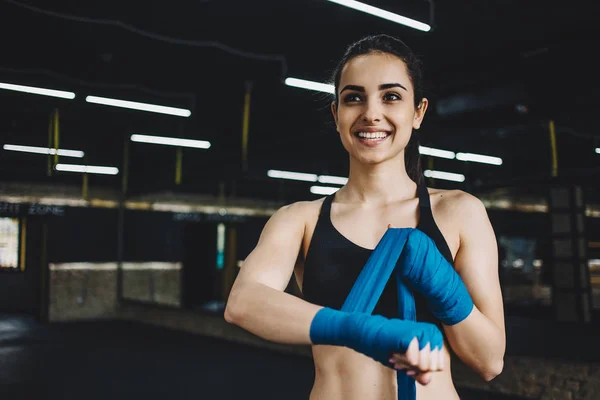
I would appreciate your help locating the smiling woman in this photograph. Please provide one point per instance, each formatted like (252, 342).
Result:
(387, 56)
(390, 351)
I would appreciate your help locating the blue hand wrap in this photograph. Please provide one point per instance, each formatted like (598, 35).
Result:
(373, 335)
(425, 269)
(418, 265)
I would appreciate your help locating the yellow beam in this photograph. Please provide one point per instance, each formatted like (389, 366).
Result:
(554, 150)
(23, 246)
(84, 187)
(246, 126)
(178, 165)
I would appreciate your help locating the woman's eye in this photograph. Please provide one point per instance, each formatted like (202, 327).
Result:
(351, 98)
(391, 97)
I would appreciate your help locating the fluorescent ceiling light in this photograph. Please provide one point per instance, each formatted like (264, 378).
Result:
(597, 150)
(44, 150)
(430, 151)
(323, 190)
(378, 12)
(169, 141)
(479, 158)
(447, 176)
(335, 180)
(88, 169)
(297, 176)
(134, 105)
(301, 83)
(37, 90)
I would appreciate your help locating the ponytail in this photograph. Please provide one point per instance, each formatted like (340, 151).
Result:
(412, 160)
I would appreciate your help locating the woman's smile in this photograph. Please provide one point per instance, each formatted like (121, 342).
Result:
(372, 138)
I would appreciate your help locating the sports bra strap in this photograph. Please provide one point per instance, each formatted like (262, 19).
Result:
(424, 200)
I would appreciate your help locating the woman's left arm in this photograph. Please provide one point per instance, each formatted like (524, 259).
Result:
(480, 339)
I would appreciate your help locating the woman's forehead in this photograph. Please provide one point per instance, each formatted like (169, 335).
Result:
(374, 69)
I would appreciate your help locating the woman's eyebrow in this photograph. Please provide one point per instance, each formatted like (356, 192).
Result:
(383, 86)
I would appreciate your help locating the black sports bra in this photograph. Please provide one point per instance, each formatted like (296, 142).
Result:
(333, 262)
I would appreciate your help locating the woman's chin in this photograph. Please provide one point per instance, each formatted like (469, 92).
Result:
(372, 159)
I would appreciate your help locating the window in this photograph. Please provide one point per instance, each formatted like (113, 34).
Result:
(9, 243)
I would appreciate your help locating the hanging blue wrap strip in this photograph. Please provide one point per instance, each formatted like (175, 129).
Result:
(370, 284)
(418, 265)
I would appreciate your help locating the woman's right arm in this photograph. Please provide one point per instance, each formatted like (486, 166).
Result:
(257, 302)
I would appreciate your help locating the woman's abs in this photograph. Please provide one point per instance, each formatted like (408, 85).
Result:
(343, 374)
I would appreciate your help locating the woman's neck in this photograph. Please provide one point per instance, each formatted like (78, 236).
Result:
(378, 184)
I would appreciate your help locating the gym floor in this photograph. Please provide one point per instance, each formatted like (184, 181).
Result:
(127, 360)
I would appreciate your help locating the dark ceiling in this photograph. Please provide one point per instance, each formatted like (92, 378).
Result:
(497, 72)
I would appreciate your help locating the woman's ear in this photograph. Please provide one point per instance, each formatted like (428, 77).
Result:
(335, 117)
(420, 113)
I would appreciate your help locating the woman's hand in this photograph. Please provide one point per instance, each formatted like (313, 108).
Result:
(420, 364)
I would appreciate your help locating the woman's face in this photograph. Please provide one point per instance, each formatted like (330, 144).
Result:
(376, 112)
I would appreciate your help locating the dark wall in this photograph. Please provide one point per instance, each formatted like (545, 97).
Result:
(153, 236)
(83, 235)
(512, 223)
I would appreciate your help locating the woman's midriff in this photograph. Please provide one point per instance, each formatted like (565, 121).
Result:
(343, 374)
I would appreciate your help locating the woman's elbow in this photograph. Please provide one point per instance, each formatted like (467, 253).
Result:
(234, 310)
(491, 370)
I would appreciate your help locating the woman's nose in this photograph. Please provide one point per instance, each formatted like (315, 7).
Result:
(372, 113)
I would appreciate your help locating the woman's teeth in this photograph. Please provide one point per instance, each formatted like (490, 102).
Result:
(372, 135)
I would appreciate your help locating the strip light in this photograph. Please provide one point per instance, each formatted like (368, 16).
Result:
(134, 105)
(296, 176)
(430, 151)
(378, 12)
(133, 266)
(44, 150)
(336, 180)
(304, 84)
(323, 190)
(87, 169)
(597, 150)
(36, 90)
(447, 176)
(169, 141)
(479, 158)
(307, 177)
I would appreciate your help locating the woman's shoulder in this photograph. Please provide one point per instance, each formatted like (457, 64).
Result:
(306, 210)
(455, 204)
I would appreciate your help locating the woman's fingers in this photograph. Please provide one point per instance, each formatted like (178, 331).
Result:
(420, 361)
(434, 360)
(412, 353)
(424, 359)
